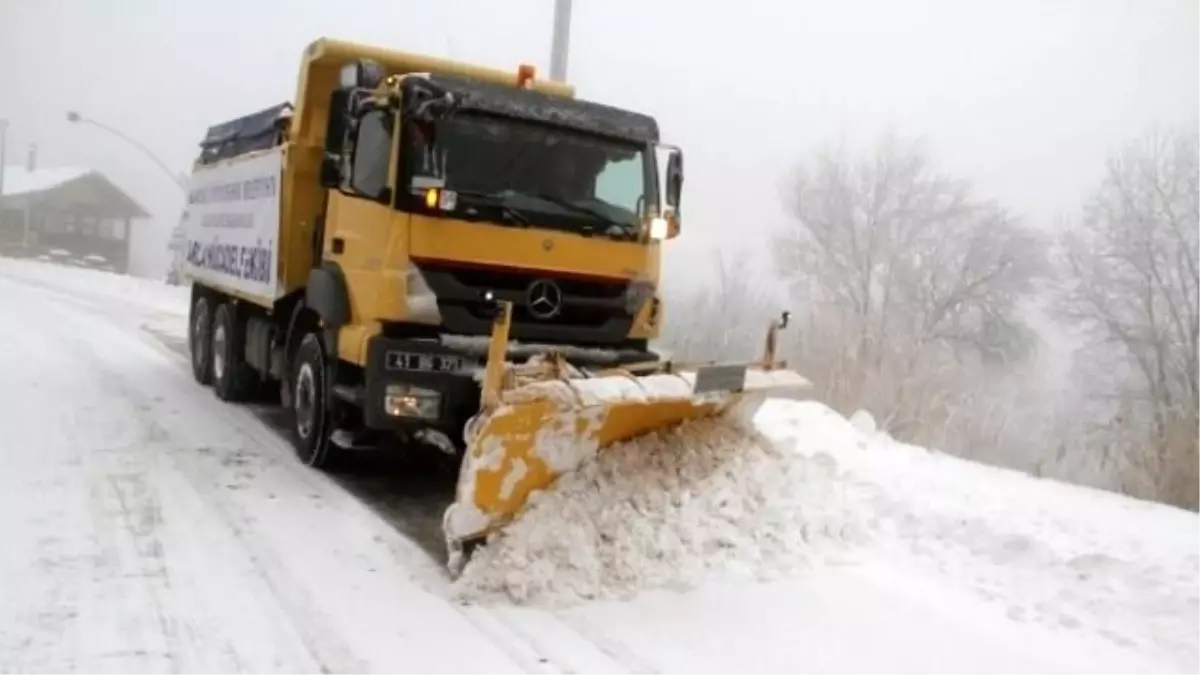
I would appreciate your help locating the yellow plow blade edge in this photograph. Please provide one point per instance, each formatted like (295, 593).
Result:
(545, 429)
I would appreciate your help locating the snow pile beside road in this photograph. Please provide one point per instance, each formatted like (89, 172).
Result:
(1071, 580)
(134, 292)
(802, 486)
(671, 509)
(160, 309)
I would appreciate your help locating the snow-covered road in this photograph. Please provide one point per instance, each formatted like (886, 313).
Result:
(149, 526)
(145, 525)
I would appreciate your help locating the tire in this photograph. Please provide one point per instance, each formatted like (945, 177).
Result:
(200, 340)
(311, 414)
(233, 379)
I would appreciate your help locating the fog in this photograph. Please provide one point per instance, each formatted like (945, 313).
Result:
(1025, 100)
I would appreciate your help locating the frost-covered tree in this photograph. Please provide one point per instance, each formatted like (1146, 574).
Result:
(1132, 286)
(907, 279)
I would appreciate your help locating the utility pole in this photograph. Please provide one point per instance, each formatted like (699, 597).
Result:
(3, 144)
(560, 44)
(30, 167)
(3, 163)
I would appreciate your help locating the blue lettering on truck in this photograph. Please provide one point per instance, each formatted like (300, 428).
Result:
(251, 188)
(252, 263)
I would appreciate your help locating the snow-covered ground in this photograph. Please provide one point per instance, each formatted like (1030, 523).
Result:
(148, 526)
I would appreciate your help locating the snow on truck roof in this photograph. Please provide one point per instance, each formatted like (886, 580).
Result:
(256, 131)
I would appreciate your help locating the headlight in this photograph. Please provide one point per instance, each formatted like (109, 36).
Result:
(400, 400)
(658, 228)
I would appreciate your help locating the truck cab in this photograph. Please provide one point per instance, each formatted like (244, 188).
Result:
(454, 188)
(416, 194)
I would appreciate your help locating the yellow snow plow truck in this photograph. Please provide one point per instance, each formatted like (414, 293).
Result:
(447, 256)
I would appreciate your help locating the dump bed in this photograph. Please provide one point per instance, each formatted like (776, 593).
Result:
(232, 217)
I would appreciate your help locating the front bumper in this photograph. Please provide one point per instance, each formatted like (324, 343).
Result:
(401, 371)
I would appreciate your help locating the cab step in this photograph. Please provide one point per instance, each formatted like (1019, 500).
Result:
(355, 395)
(349, 440)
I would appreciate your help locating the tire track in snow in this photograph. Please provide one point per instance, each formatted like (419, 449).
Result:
(288, 594)
(40, 568)
(541, 643)
(521, 647)
(245, 428)
(103, 582)
(245, 418)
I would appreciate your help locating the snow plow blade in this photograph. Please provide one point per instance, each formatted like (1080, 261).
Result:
(542, 420)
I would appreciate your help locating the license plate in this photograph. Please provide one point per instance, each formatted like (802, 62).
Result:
(711, 379)
(433, 363)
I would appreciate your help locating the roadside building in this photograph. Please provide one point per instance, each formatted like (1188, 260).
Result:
(71, 215)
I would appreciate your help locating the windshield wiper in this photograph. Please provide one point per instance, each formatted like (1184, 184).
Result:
(498, 200)
(626, 230)
(578, 208)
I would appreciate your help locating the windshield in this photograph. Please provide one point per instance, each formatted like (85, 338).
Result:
(551, 176)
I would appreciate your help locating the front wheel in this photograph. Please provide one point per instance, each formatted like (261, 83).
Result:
(310, 404)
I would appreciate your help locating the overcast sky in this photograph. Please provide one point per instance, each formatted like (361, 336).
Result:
(1024, 98)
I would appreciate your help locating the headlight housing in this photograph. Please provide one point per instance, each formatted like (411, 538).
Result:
(658, 228)
(402, 400)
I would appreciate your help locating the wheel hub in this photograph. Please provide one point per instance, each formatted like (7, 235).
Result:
(305, 400)
(198, 334)
(219, 352)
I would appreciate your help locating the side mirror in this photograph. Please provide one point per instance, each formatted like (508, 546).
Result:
(672, 191)
(369, 155)
(674, 186)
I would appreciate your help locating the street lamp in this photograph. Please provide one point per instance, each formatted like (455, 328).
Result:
(3, 147)
(75, 118)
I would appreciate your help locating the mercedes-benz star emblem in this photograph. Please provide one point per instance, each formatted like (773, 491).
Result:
(544, 299)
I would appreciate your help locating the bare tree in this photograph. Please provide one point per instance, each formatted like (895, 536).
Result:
(907, 277)
(1133, 287)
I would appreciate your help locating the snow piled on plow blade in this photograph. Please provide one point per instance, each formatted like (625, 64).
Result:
(546, 429)
(668, 509)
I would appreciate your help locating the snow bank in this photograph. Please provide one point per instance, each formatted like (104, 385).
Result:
(106, 287)
(708, 499)
(799, 488)
(802, 486)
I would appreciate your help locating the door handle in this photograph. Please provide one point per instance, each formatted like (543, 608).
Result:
(339, 245)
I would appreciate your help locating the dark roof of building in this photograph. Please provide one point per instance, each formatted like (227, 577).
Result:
(75, 188)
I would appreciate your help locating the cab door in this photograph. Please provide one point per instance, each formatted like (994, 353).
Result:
(362, 232)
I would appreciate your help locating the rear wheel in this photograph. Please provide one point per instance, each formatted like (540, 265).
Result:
(233, 378)
(311, 418)
(200, 340)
